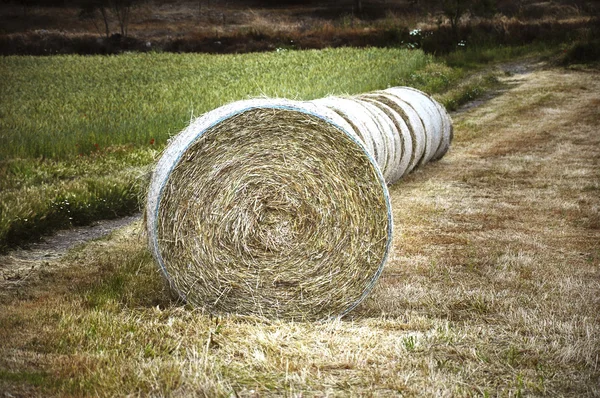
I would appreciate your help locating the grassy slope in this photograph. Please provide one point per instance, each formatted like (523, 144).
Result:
(492, 289)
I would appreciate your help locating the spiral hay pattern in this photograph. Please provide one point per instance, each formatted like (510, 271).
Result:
(280, 208)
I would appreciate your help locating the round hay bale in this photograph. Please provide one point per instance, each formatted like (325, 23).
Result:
(391, 138)
(403, 145)
(357, 115)
(428, 114)
(270, 207)
(442, 122)
(447, 131)
(415, 126)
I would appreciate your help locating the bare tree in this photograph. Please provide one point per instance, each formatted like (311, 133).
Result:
(121, 9)
(118, 9)
(90, 10)
(104, 14)
(358, 6)
(455, 9)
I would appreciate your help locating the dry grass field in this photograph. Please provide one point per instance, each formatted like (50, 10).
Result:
(493, 289)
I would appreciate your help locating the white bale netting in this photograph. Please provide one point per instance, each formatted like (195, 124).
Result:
(435, 119)
(280, 208)
(402, 147)
(413, 122)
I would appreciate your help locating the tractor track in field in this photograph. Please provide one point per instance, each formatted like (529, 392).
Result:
(513, 74)
(20, 266)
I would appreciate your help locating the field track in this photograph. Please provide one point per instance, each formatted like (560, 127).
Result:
(502, 236)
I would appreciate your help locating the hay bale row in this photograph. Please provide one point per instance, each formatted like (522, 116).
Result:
(401, 127)
(280, 208)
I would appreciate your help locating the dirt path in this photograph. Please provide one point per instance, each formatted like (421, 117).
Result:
(19, 266)
(513, 73)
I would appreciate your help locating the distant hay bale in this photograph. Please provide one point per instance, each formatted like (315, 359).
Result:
(435, 119)
(280, 208)
(416, 129)
(399, 133)
(361, 120)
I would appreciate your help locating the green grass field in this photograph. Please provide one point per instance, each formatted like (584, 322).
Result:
(56, 107)
(76, 133)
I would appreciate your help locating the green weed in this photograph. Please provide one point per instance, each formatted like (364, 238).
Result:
(409, 342)
(38, 196)
(582, 52)
(31, 378)
(477, 57)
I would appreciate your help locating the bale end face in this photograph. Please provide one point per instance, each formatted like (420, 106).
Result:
(272, 212)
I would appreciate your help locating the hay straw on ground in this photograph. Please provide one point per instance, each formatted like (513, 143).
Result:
(280, 208)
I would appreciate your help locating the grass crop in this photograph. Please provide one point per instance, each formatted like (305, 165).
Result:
(77, 132)
(56, 107)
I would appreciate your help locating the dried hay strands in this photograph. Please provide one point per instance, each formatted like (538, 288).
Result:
(280, 208)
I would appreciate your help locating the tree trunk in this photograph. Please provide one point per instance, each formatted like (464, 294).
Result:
(122, 10)
(105, 19)
(358, 6)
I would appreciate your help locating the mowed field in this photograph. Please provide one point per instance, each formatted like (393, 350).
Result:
(493, 288)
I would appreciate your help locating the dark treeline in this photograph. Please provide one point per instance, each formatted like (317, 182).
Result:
(323, 24)
(343, 4)
(453, 9)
